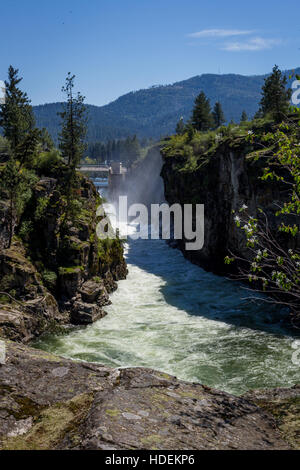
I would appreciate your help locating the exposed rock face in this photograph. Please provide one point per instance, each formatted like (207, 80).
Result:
(36, 309)
(56, 272)
(92, 291)
(47, 402)
(224, 182)
(84, 313)
(284, 405)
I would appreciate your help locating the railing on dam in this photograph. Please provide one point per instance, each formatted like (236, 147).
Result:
(106, 176)
(94, 168)
(115, 168)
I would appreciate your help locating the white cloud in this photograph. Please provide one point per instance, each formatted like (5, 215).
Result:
(255, 44)
(218, 33)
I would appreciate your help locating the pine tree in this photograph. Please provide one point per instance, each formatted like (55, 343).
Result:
(202, 119)
(10, 180)
(16, 116)
(74, 125)
(134, 150)
(46, 141)
(244, 117)
(26, 150)
(258, 114)
(17, 185)
(275, 96)
(218, 115)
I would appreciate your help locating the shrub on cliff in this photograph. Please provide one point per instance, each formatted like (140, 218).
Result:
(274, 266)
(47, 162)
(16, 186)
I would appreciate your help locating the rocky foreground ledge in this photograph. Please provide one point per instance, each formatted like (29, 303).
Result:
(47, 402)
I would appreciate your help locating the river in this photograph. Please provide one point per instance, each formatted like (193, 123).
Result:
(173, 316)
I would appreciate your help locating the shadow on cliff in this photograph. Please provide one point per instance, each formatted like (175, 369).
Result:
(188, 287)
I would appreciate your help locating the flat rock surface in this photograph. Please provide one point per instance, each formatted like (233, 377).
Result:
(47, 402)
(284, 405)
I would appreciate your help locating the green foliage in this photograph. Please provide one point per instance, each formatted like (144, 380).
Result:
(275, 95)
(4, 146)
(16, 116)
(202, 119)
(110, 252)
(274, 267)
(65, 270)
(74, 120)
(25, 152)
(46, 162)
(127, 150)
(26, 230)
(50, 279)
(6, 282)
(286, 158)
(41, 207)
(72, 146)
(46, 141)
(218, 115)
(154, 112)
(17, 185)
(244, 117)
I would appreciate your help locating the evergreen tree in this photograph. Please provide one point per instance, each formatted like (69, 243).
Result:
(180, 128)
(16, 116)
(74, 125)
(46, 141)
(134, 150)
(10, 180)
(244, 117)
(275, 96)
(202, 119)
(26, 150)
(258, 114)
(218, 114)
(17, 185)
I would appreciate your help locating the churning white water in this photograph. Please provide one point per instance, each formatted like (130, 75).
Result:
(171, 315)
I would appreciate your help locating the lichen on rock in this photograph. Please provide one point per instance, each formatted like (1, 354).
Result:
(48, 402)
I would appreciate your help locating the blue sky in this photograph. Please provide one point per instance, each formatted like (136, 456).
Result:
(116, 46)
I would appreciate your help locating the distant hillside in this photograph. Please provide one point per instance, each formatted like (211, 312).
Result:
(154, 112)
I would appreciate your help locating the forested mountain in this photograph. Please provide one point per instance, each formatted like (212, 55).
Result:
(154, 112)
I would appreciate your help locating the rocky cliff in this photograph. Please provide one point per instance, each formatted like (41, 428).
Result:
(55, 272)
(223, 175)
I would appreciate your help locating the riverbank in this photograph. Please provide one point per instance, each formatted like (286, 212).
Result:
(48, 402)
(51, 402)
(56, 271)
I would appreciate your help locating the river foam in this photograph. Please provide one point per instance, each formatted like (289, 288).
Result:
(173, 316)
